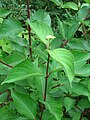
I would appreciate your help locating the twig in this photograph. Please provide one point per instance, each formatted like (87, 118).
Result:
(57, 86)
(6, 64)
(78, 108)
(64, 44)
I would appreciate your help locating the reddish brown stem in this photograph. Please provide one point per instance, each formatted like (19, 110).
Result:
(46, 81)
(29, 29)
(64, 44)
(6, 64)
(57, 86)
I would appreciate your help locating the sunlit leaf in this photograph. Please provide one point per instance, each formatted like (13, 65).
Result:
(62, 27)
(41, 16)
(11, 28)
(69, 103)
(83, 71)
(21, 71)
(66, 59)
(80, 89)
(55, 108)
(41, 30)
(4, 13)
(88, 1)
(82, 15)
(70, 5)
(57, 2)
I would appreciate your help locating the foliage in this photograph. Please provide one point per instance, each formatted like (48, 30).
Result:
(44, 60)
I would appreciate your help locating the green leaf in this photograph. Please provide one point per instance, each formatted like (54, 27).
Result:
(24, 104)
(80, 55)
(3, 113)
(4, 13)
(83, 71)
(3, 97)
(82, 15)
(88, 1)
(69, 103)
(21, 71)
(70, 5)
(57, 2)
(11, 28)
(80, 89)
(88, 84)
(41, 53)
(84, 103)
(4, 70)
(62, 28)
(22, 118)
(14, 58)
(1, 20)
(41, 16)
(76, 116)
(41, 30)
(81, 58)
(79, 44)
(72, 30)
(66, 59)
(6, 46)
(48, 115)
(55, 108)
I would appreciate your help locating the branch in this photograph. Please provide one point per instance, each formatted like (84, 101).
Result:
(78, 108)
(64, 44)
(45, 90)
(29, 30)
(57, 86)
(6, 64)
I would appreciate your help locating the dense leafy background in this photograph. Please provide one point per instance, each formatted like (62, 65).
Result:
(54, 82)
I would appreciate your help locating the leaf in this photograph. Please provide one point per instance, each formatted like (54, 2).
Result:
(76, 116)
(72, 30)
(70, 5)
(62, 28)
(4, 13)
(88, 84)
(83, 71)
(22, 118)
(6, 46)
(55, 108)
(69, 103)
(84, 103)
(48, 115)
(57, 2)
(80, 89)
(4, 70)
(66, 59)
(3, 113)
(80, 55)
(88, 1)
(24, 104)
(79, 44)
(10, 28)
(41, 30)
(14, 58)
(81, 58)
(21, 71)
(82, 15)
(41, 16)
(3, 97)
(41, 53)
